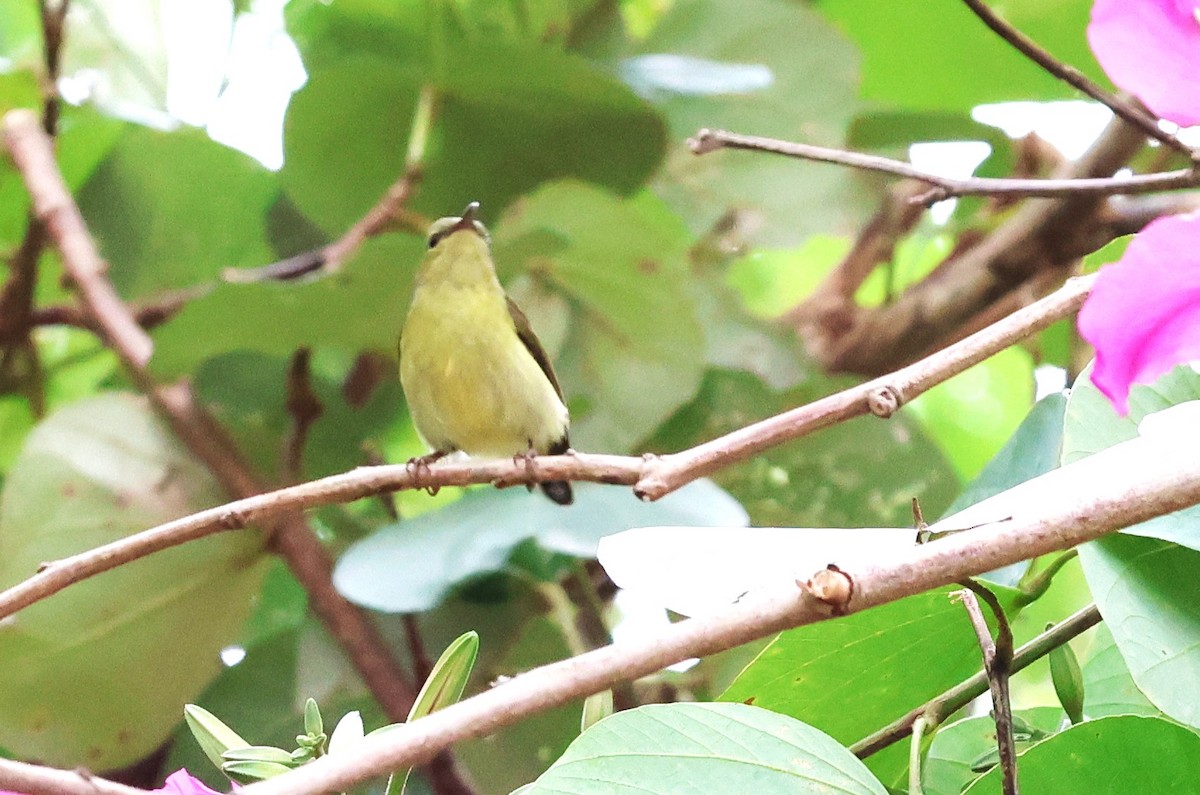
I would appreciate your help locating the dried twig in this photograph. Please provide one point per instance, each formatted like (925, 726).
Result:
(706, 141)
(997, 665)
(1127, 110)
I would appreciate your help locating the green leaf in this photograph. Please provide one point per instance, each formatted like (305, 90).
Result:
(963, 64)
(636, 351)
(213, 736)
(1033, 450)
(956, 749)
(359, 309)
(1148, 593)
(313, 725)
(91, 473)
(1092, 425)
(412, 565)
(447, 680)
(247, 772)
(1109, 687)
(258, 753)
(199, 208)
(704, 748)
(1119, 754)
(757, 66)
(850, 676)
(972, 415)
(596, 708)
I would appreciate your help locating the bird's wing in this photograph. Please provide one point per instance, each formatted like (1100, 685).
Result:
(532, 344)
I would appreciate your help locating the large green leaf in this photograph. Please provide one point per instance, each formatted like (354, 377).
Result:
(171, 209)
(1112, 755)
(1149, 595)
(704, 748)
(636, 350)
(973, 414)
(1108, 687)
(509, 117)
(765, 67)
(850, 676)
(75, 668)
(412, 565)
(362, 307)
(959, 748)
(962, 63)
(1033, 450)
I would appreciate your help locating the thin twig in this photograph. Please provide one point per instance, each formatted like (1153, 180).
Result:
(422, 664)
(997, 664)
(915, 756)
(972, 688)
(651, 477)
(305, 408)
(1127, 110)
(706, 141)
(1058, 525)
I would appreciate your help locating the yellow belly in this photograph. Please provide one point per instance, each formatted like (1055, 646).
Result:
(470, 383)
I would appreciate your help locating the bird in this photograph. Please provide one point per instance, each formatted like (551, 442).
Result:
(474, 375)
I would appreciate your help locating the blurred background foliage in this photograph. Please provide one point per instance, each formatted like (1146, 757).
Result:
(654, 277)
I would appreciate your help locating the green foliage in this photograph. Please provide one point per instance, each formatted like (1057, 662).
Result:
(696, 748)
(657, 280)
(87, 475)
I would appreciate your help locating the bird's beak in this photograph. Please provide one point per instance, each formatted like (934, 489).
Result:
(468, 218)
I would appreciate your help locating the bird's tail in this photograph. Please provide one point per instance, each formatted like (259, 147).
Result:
(559, 490)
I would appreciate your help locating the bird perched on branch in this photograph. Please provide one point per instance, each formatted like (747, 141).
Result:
(475, 377)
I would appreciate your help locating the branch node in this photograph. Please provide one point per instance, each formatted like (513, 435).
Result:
(832, 586)
(704, 141)
(233, 520)
(884, 401)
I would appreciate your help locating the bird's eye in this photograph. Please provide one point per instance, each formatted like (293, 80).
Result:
(435, 238)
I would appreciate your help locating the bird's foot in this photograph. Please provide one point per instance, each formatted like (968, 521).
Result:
(418, 469)
(527, 457)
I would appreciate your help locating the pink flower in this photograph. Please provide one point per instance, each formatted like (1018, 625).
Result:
(180, 782)
(1143, 316)
(1151, 48)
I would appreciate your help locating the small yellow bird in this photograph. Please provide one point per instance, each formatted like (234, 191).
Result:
(475, 377)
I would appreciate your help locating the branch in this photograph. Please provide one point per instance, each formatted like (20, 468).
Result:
(305, 408)
(1150, 491)
(706, 141)
(21, 777)
(33, 154)
(1129, 111)
(970, 689)
(652, 477)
